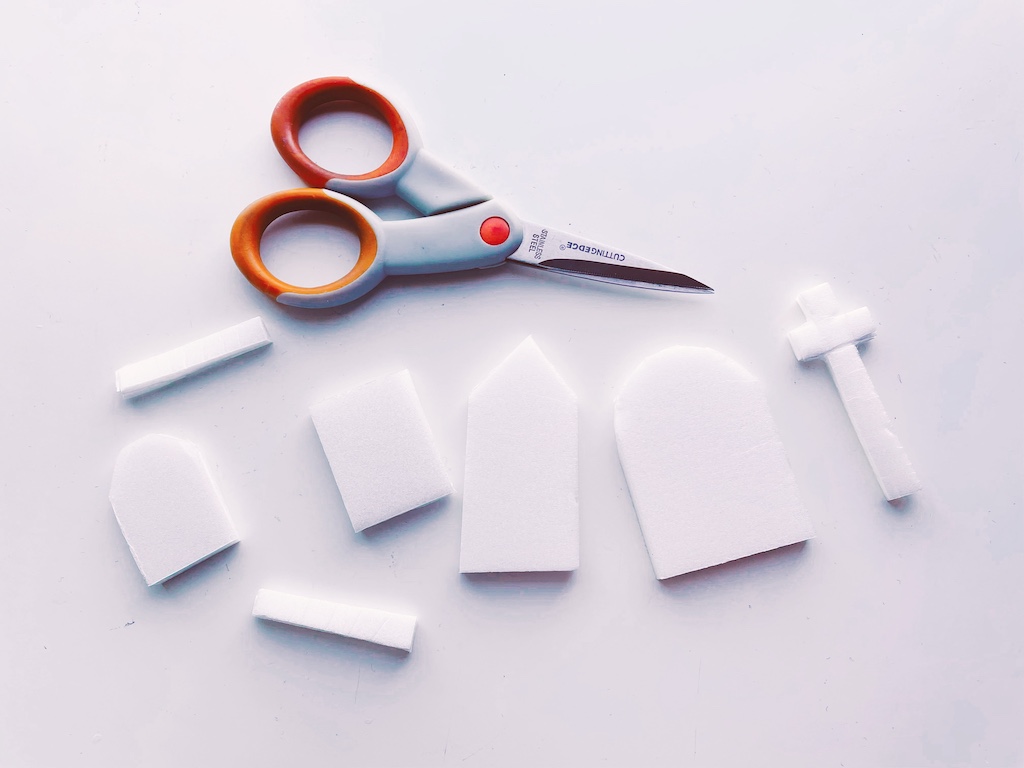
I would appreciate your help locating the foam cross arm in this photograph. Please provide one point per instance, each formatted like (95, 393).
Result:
(835, 336)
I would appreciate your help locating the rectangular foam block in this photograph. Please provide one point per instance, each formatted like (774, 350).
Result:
(521, 510)
(394, 630)
(163, 369)
(381, 450)
(169, 510)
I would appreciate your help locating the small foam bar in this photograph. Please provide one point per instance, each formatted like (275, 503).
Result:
(169, 510)
(381, 450)
(706, 470)
(835, 336)
(521, 509)
(394, 630)
(159, 371)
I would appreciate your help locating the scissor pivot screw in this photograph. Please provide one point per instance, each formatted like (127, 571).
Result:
(495, 230)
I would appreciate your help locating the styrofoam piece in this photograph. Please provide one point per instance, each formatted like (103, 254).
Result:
(163, 369)
(381, 450)
(834, 336)
(394, 630)
(169, 510)
(521, 510)
(706, 469)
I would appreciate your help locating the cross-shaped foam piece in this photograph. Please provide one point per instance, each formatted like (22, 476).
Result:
(381, 450)
(835, 336)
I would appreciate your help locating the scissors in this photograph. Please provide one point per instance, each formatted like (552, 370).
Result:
(462, 227)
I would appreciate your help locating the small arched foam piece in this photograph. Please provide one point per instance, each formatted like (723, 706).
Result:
(169, 510)
(381, 450)
(520, 510)
(394, 630)
(706, 469)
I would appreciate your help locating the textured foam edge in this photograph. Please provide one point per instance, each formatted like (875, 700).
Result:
(180, 571)
(165, 368)
(295, 610)
(528, 346)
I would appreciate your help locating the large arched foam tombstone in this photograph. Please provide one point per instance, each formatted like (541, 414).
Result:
(706, 469)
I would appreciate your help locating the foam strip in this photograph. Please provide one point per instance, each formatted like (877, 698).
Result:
(381, 450)
(168, 508)
(834, 336)
(159, 371)
(394, 630)
(521, 511)
(706, 469)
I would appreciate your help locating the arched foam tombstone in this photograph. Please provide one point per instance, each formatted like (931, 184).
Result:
(169, 510)
(706, 469)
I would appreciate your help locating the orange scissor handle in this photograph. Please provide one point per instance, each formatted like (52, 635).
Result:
(250, 225)
(302, 101)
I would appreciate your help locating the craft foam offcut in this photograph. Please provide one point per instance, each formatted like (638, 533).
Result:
(163, 369)
(394, 630)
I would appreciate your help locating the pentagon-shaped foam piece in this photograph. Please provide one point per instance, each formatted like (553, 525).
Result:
(520, 509)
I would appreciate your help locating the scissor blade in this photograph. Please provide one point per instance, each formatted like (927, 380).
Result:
(568, 254)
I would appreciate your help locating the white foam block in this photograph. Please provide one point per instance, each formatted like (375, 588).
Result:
(163, 369)
(381, 450)
(521, 508)
(394, 630)
(706, 469)
(835, 336)
(169, 510)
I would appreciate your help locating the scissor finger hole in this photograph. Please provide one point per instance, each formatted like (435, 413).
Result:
(335, 94)
(309, 248)
(347, 137)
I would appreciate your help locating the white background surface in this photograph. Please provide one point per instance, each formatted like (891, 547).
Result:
(760, 147)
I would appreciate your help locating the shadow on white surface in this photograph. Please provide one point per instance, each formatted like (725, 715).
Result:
(750, 568)
(623, 292)
(905, 508)
(383, 292)
(404, 524)
(197, 576)
(392, 208)
(531, 585)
